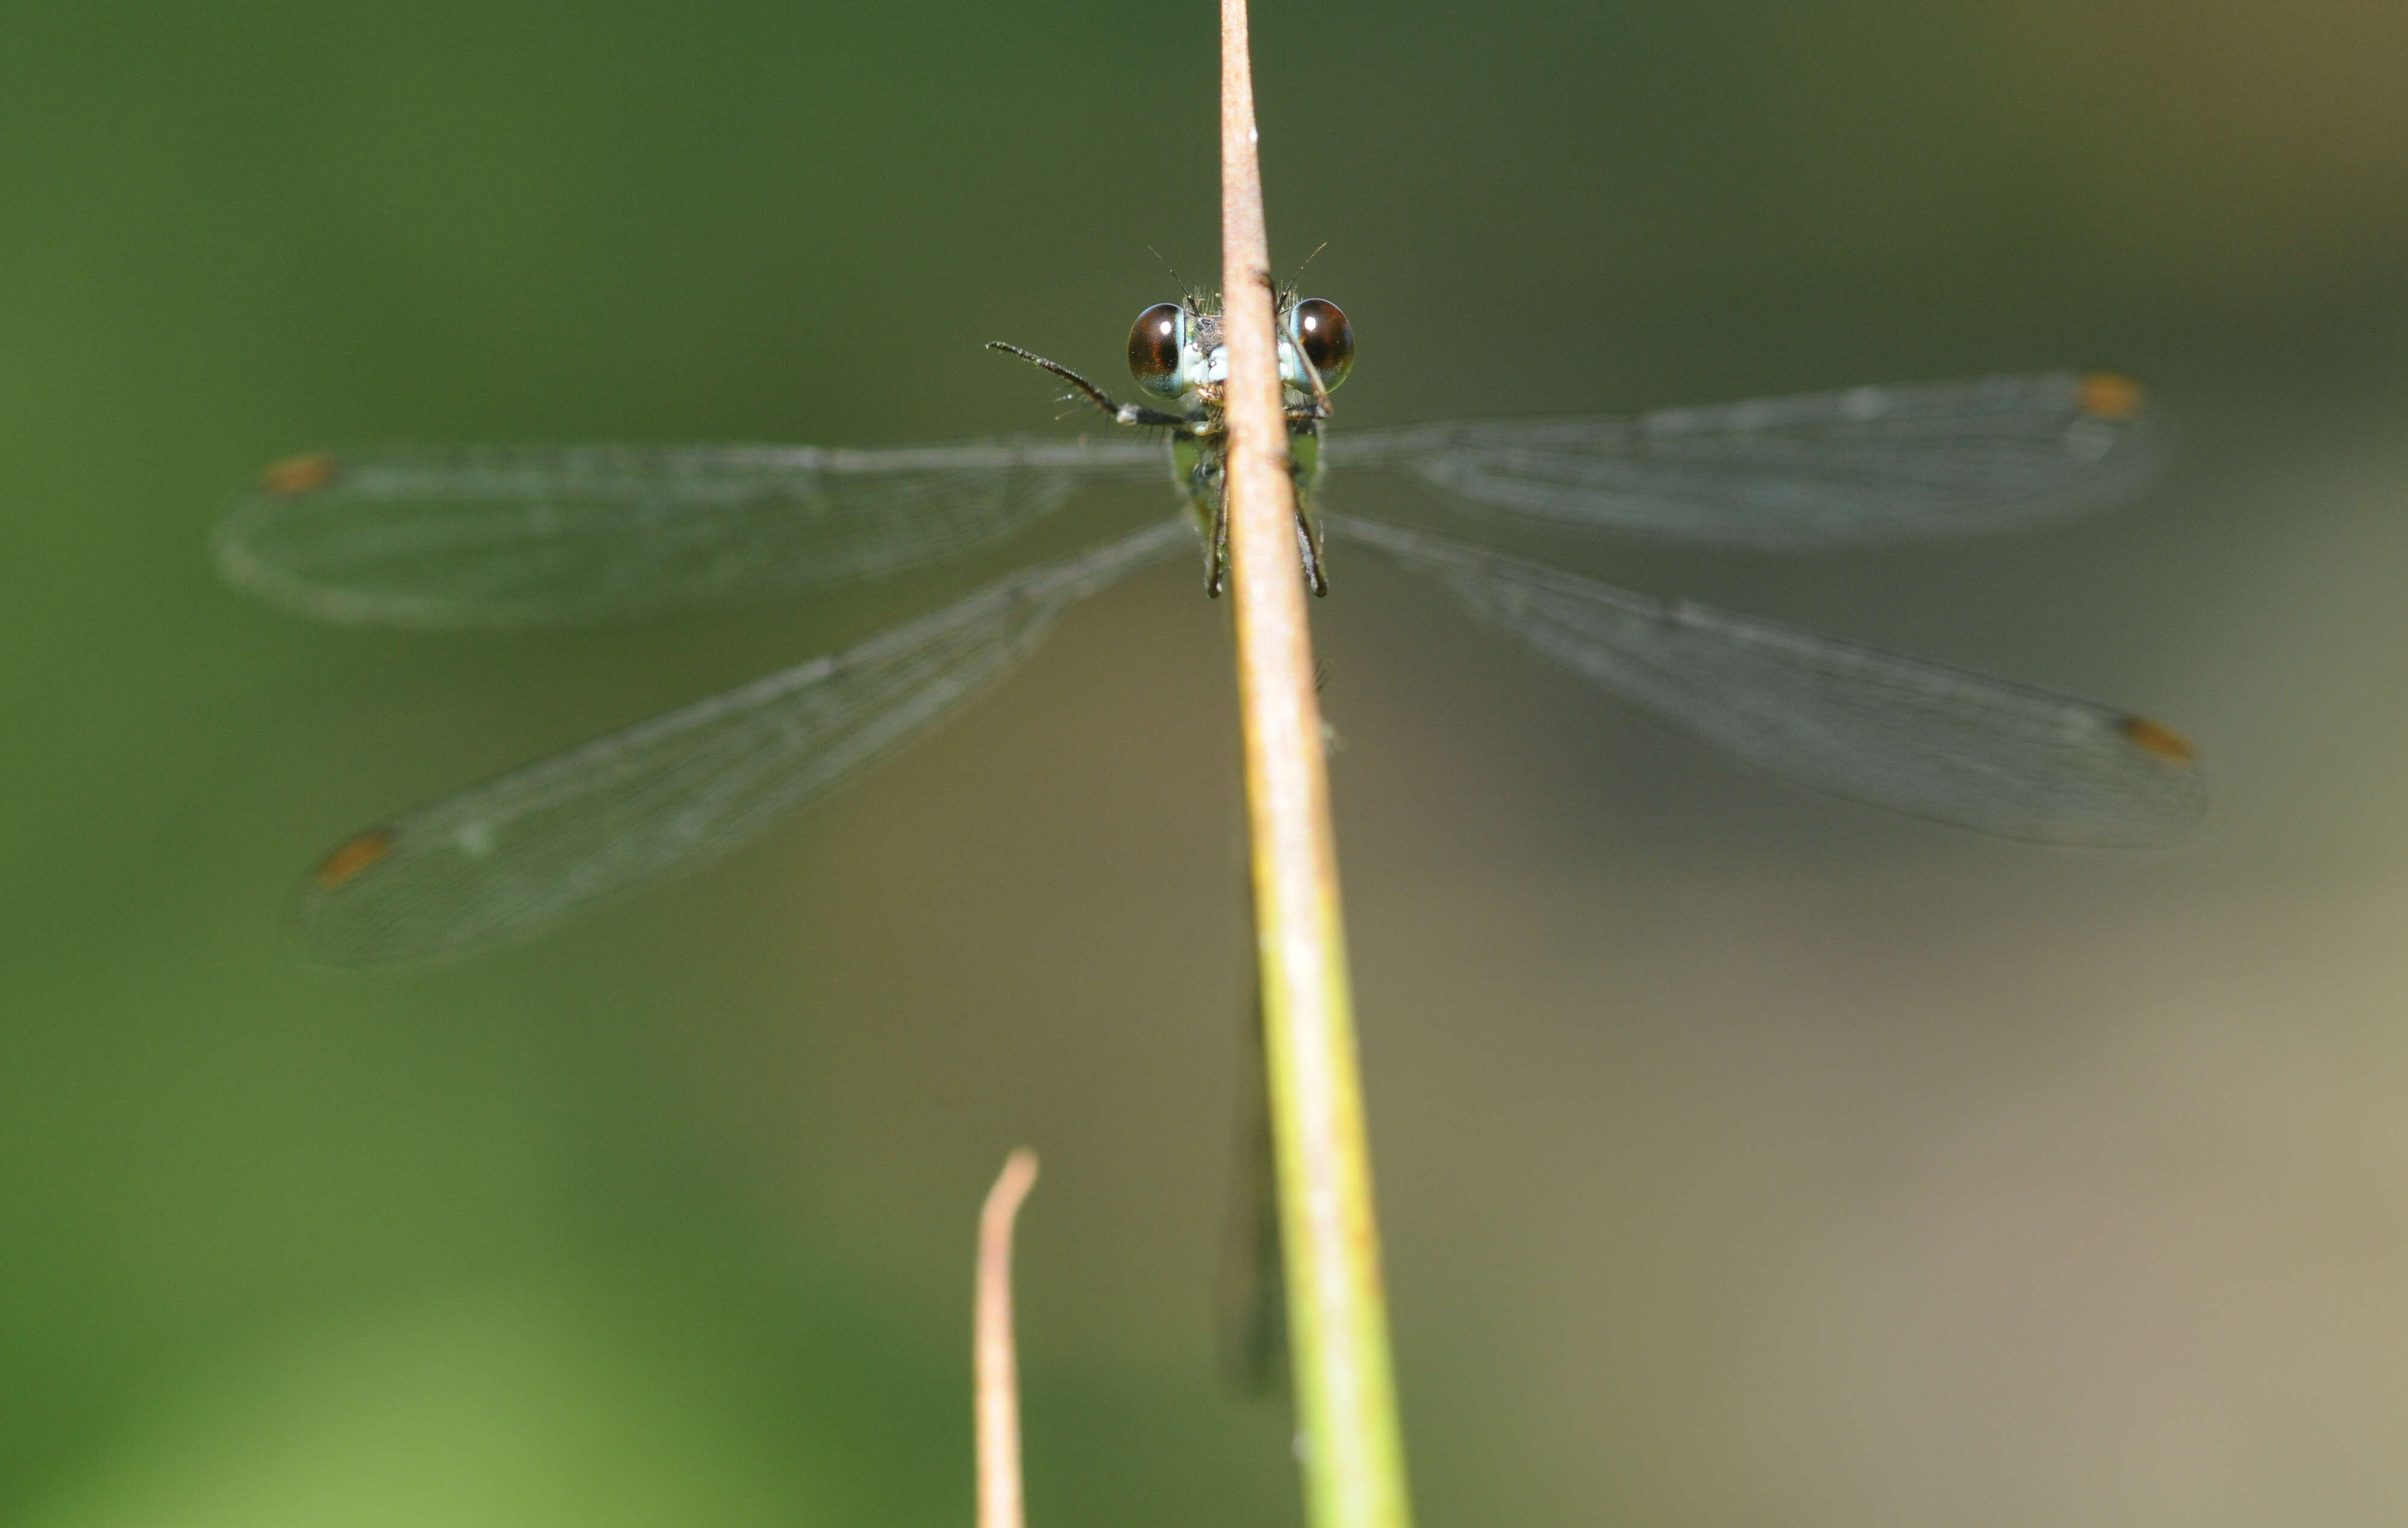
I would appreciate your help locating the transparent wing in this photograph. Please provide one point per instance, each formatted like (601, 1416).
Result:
(1867, 463)
(437, 537)
(518, 853)
(1894, 732)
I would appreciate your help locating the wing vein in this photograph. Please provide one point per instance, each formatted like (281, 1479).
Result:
(1870, 463)
(507, 857)
(1877, 727)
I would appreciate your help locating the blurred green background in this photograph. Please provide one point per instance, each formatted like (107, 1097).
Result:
(1746, 1158)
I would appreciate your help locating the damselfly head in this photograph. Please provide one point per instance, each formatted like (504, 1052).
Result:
(1175, 348)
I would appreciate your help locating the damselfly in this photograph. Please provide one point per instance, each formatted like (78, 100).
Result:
(503, 537)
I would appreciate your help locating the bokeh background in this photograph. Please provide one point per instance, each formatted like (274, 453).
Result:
(1746, 1158)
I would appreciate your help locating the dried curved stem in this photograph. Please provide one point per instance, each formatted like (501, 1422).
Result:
(997, 1372)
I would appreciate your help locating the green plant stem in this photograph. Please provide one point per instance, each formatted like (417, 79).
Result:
(1338, 1321)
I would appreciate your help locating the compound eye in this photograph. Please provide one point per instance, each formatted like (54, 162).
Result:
(1325, 337)
(1154, 347)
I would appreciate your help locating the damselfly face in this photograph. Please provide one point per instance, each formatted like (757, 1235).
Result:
(527, 536)
(1175, 350)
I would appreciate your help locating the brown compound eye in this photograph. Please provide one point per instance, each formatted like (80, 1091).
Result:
(1156, 349)
(1327, 340)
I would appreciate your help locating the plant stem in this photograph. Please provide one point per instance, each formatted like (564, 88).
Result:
(997, 1381)
(1338, 1322)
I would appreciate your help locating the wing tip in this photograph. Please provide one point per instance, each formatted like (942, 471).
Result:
(324, 912)
(2157, 740)
(342, 917)
(235, 544)
(293, 476)
(352, 858)
(2110, 396)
